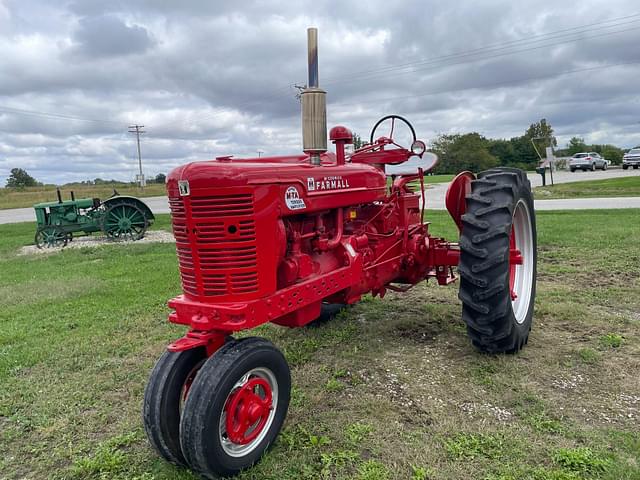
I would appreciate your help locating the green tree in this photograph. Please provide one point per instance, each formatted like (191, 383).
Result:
(463, 152)
(542, 134)
(503, 150)
(357, 141)
(539, 135)
(525, 155)
(19, 178)
(160, 178)
(612, 153)
(576, 145)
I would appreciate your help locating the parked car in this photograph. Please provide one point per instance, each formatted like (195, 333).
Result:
(631, 158)
(587, 161)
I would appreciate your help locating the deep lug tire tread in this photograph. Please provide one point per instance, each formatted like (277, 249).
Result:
(161, 409)
(199, 435)
(484, 261)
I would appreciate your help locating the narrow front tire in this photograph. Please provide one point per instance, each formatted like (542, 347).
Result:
(236, 407)
(164, 396)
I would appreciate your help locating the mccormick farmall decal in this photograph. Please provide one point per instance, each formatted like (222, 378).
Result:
(327, 183)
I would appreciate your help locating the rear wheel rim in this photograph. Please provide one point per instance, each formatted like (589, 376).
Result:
(248, 412)
(125, 222)
(521, 261)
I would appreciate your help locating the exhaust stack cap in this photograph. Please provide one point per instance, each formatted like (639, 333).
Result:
(314, 105)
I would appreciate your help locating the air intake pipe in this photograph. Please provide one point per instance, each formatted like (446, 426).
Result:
(314, 106)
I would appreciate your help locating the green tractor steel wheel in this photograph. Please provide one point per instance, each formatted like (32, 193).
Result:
(48, 237)
(124, 221)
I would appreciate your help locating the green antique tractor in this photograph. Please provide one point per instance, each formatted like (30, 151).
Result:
(120, 218)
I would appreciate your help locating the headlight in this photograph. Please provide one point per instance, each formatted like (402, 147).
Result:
(418, 147)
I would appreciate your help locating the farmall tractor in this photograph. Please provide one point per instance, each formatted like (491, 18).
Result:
(271, 239)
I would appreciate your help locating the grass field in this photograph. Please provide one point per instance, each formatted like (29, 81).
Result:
(611, 187)
(389, 390)
(13, 198)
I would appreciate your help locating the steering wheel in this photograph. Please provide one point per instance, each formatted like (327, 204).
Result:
(393, 119)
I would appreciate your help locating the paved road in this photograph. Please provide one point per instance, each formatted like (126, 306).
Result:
(436, 194)
(564, 176)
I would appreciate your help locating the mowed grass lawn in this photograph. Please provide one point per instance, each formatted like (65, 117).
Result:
(391, 389)
(611, 187)
(27, 197)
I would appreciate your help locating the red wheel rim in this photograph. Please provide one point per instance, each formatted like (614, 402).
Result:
(515, 259)
(248, 410)
(186, 386)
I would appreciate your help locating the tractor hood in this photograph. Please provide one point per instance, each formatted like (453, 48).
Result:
(200, 178)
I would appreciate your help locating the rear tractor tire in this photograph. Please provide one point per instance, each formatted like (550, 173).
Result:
(498, 261)
(124, 221)
(236, 407)
(164, 397)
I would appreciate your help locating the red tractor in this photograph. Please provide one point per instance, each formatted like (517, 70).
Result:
(271, 239)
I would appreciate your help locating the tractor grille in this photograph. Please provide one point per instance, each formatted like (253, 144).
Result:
(216, 246)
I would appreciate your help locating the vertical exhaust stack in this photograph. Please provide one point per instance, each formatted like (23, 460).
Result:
(314, 106)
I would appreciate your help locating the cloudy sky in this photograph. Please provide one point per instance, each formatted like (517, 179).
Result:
(210, 78)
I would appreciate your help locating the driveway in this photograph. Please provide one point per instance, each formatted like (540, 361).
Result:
(436, 194)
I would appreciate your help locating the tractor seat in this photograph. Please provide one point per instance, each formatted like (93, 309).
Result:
(411, 166)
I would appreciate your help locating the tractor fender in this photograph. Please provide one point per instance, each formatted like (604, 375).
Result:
(131, 200)
(455, 200)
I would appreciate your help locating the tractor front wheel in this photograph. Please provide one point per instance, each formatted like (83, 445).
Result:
(498, 261)
(164, 397)
(49, 237)
(236, 407)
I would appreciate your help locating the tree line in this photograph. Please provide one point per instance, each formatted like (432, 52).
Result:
(19, 179)
(474, 152)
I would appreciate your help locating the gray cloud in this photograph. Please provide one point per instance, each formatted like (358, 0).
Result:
(108, 35)
(212, 78)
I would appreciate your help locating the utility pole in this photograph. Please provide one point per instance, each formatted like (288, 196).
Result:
(137, 129)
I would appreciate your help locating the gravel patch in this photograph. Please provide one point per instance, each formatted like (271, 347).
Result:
(155, 236)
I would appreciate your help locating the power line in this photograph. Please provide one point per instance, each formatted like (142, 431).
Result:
(449, 60)
(20, 111)
(431, 65)
(498, 46)
(222, 111)
(489, 85)
(499, 50)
